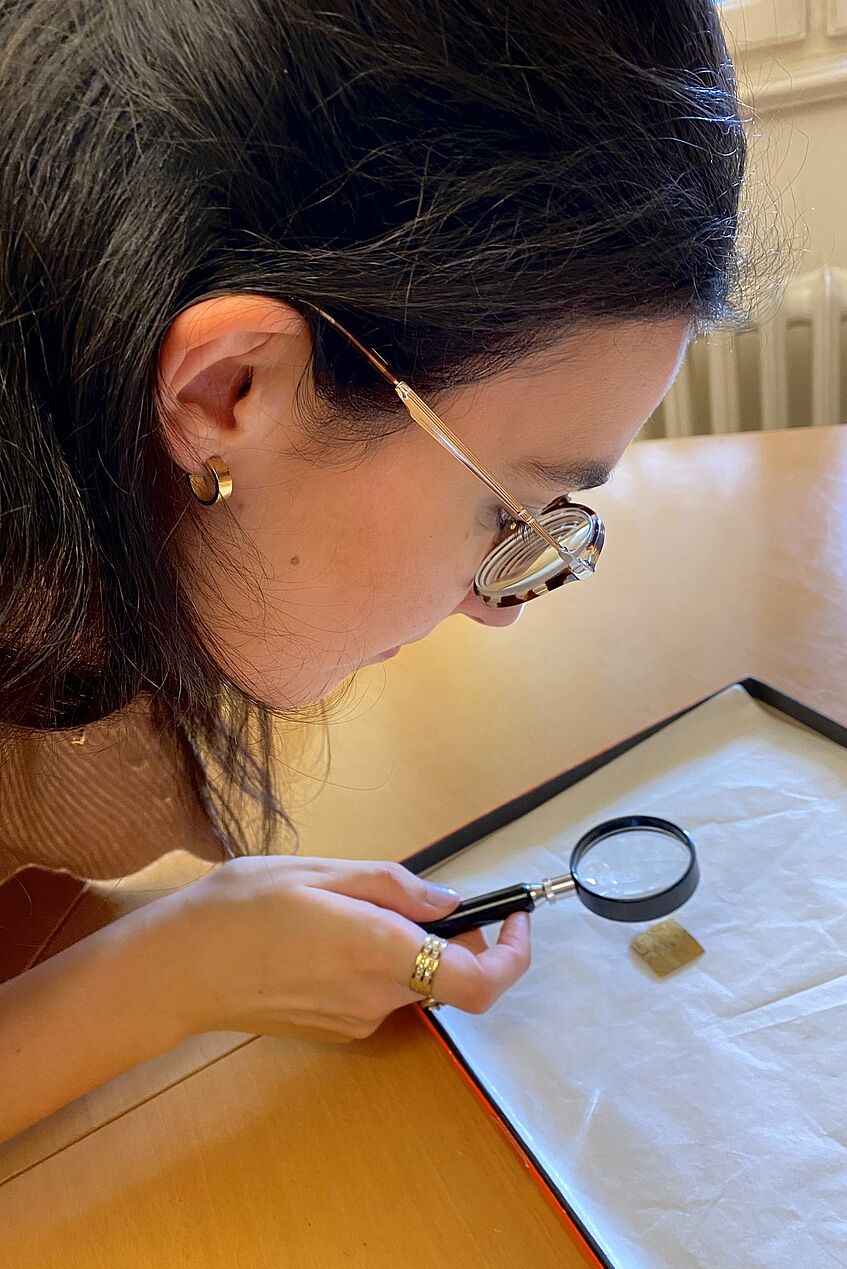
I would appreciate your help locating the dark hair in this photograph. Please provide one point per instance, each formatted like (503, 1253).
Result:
(458, 181)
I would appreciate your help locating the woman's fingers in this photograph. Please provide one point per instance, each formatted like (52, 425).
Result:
(389, 885)
(472, 979)
(473, 940)
(471, 975)
(511, 955)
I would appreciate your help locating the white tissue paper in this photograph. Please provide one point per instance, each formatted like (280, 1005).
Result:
(699, 1119)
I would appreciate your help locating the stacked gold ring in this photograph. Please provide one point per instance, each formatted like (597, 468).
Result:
(426, 963)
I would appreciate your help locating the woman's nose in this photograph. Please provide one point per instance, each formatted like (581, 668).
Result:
(473, 607)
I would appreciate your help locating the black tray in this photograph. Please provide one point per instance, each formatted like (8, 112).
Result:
(469, 834)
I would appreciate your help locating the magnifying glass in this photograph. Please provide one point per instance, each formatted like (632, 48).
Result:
(634, 868)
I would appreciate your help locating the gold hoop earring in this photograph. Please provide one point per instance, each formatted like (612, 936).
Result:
(217, 475)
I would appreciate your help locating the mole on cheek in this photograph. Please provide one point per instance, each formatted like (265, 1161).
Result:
(295, 559)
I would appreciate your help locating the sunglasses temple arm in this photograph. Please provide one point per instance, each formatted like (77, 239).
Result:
(374, 358)
(430, 422)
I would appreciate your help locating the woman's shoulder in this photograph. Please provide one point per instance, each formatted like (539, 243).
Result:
(101, 802)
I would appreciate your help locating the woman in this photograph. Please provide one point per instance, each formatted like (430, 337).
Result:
(218, 502)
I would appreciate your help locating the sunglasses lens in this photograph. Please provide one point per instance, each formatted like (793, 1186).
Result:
(524, 566)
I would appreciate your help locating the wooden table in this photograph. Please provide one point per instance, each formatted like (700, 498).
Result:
(726, 556)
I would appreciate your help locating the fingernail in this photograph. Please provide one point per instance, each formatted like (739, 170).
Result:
(440, 895)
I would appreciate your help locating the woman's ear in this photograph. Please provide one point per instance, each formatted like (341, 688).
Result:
(204, 372)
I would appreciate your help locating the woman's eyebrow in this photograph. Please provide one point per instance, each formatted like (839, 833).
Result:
(567, 476)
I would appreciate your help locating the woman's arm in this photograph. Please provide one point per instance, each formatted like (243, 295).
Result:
(87, 1014)
(263, 944)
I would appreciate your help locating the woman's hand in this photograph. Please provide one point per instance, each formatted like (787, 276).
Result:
(329, 945)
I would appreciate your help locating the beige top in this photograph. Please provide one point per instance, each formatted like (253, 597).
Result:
(99, 804)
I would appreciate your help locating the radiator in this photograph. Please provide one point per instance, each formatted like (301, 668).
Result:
(788, 371)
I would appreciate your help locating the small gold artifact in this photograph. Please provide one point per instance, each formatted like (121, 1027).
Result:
(666, 947)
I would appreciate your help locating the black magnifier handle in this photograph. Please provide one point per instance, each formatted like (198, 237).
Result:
(647, 905)
(487, 909)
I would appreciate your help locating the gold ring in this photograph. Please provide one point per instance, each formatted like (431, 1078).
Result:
(426, 963)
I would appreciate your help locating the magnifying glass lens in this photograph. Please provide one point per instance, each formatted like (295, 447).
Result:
(632, 864)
